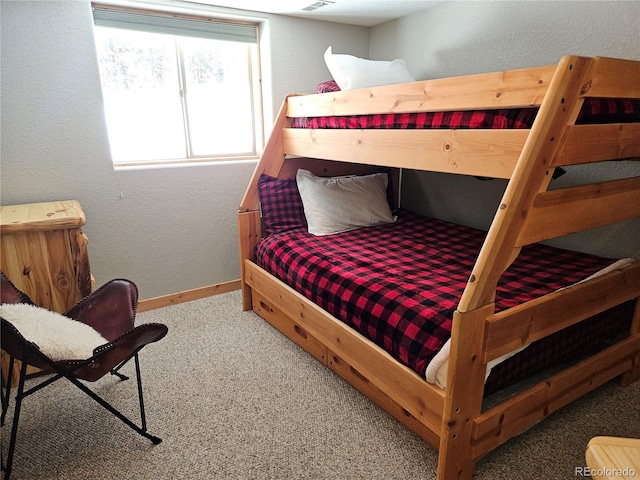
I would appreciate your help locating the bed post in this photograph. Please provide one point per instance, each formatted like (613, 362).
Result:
(463, 395)
(249, 232)
(465, 378)
(632, 375)
(249, 221)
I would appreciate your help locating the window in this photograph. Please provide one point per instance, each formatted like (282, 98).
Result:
(178, 88)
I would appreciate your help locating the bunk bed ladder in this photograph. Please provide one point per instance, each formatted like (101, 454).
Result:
(531, 175)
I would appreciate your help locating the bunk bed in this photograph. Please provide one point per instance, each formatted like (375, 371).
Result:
(483, 328)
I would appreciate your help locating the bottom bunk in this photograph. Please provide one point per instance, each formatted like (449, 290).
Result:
(346, 298)
(406, 396)
(399, 283)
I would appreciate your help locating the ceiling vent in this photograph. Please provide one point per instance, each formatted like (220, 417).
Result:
(317, 5)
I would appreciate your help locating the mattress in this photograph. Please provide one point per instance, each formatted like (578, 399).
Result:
(593, 111)
(399, 284)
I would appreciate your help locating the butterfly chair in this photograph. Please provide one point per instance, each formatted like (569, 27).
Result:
(109, 312)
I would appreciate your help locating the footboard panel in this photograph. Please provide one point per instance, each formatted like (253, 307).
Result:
(497, 425)
(395, 388)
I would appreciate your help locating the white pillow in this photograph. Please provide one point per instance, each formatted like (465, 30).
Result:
(57, 336)
(338, 204)
(351, 72)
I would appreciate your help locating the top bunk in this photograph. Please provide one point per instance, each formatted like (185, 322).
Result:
(465, 113)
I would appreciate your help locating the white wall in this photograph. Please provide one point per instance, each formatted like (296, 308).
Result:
(465, 37)
(174, 229)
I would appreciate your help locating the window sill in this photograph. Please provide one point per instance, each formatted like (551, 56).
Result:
(123, 167)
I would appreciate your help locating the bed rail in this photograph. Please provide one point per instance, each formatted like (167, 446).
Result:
(488, 153)
(613, 78)
(497, 425)
(509, 89)
(555, 213)
(594, 143)
(402, 385)
(519, 326)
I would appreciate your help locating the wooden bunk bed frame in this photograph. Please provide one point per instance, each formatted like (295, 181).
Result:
(452, 419)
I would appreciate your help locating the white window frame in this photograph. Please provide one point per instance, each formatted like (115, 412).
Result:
(205, 26)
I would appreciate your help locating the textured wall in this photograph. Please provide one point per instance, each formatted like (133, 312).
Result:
(458, 38)
(173, 229)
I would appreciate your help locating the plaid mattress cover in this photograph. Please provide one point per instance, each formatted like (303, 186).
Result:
(399, 284)
(594, 110)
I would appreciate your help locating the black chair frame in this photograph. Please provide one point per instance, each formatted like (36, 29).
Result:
(108, 358)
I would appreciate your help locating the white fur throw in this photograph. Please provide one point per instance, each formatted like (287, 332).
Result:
(57, 336)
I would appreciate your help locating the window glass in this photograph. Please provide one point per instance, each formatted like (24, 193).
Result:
(171, 98)
(218, 96)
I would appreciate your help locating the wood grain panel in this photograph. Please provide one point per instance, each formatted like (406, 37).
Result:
(35, 217)
(594, 143)
(44, 253)
(559, 212)
(614, 78)
(423, 400)
(507, 89)
(488, 153)
(511, 417)
(519, 326)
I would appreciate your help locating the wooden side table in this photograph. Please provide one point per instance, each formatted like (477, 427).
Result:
(613, 458)
(43, 251)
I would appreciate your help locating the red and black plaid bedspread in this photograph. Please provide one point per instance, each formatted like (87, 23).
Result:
(399, 284)
(594, 110)
(489, 119)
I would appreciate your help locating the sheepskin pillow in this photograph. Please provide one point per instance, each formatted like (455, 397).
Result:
(57, 336)
(340, 204)
(351, 72)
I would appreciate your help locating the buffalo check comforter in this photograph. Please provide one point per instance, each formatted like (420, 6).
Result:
(399, 284)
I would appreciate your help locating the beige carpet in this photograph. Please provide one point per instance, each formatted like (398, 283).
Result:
(234, 399)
